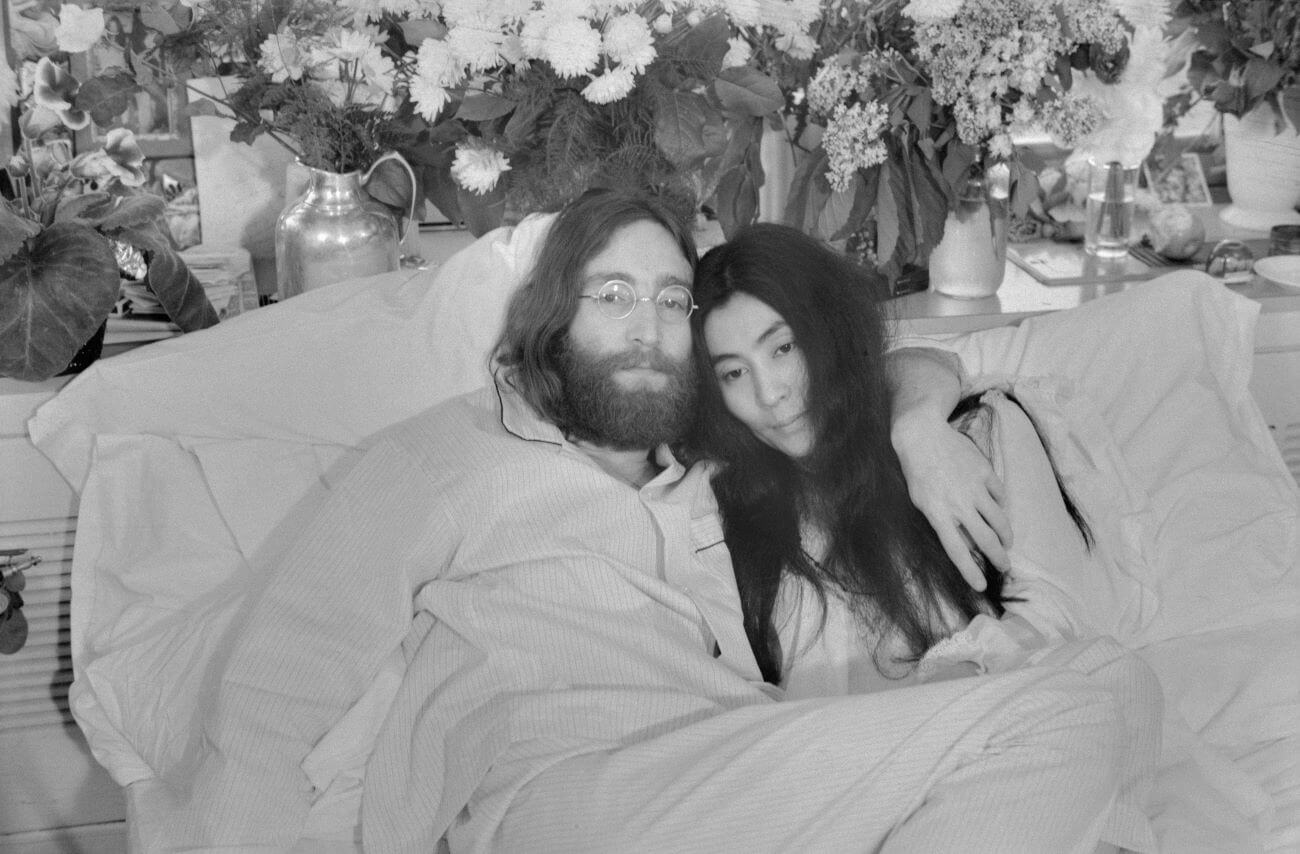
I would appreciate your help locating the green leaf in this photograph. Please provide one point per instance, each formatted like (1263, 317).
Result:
(808, 191)
(483, 106)
(55, 292)
(390, 185)
(1260, 77)
(107, 96)
(14, 229)
(483, 213)
(116, 212)
(748, 91)
(170, 280)
(864, 200)
(737, 200)
(687, 128)
(888, 227)
(704, 46)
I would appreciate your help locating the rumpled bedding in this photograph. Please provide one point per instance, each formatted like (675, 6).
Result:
(201, 456)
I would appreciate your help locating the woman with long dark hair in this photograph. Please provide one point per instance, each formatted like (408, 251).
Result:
(842, 579)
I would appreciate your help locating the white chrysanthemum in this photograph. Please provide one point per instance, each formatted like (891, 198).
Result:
(694, 17)
(346, 44)
(929, 11)
(532, 35)
(738, 53)
(572, 47)
(613, 85)
(663, 24)
(281, 57)
(478, 168)
(629, 42)
(378, 76)
(744, 13)
(78, 28)
(791, 16)
(373, 10)
(1132, 107)
(565, 10)
(429, 98)
(476, 44)
(436, 64)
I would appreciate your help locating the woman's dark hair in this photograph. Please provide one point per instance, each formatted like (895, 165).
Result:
(538, 317)
(882, 552)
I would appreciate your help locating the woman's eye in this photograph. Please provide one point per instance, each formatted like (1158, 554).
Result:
(730, 376)
(785, 348)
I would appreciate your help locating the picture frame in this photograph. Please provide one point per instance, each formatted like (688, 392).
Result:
(1181, 182)
(157, 116)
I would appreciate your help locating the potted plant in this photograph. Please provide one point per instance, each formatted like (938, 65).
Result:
(1244, 58)
(73, 226)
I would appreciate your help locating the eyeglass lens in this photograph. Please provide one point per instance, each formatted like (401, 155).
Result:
(617, 298)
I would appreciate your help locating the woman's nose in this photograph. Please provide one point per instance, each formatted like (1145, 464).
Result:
(771, 389)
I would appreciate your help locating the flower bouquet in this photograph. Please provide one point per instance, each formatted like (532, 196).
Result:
(901, 115)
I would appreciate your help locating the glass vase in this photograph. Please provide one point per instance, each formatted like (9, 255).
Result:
(332, 233)
(971, 259)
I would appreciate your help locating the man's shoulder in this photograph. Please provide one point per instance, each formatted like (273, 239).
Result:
(461, 421)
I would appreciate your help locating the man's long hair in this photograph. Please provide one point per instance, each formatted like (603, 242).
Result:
(538, 317)
(883, 554)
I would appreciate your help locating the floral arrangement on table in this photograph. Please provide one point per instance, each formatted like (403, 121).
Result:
(504, 105)
(73, 226)
(905, 108)
(1242, 53)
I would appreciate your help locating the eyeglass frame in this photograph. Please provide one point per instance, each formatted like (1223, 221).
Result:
(603, 306)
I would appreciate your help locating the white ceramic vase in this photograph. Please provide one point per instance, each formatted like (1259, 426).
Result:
(971, 259)
(1263, 171)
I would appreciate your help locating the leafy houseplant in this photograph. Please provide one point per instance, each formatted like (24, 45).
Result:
(74, 224)
(1244, 53)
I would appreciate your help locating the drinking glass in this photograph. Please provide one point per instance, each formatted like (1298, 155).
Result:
(1112, 192)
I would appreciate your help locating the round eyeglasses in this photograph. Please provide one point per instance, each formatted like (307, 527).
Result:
(616, 299)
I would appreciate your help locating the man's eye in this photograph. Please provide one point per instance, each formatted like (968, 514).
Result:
(613, 298)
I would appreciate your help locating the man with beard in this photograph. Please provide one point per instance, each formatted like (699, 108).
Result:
(577, 676)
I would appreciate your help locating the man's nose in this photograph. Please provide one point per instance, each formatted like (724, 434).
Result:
(644, 322)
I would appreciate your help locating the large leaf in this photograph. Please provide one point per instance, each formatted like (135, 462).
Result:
(107, 96)
(483, 106)
(54, 295)
(747, 91)
(14, 230)
(688, 128)
(170, 280)
(808, 191)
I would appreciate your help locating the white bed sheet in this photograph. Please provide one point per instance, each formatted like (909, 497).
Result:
(199, 457)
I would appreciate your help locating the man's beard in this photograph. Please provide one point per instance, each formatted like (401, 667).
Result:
(598, 409)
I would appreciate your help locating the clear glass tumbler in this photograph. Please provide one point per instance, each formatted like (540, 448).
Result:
(1112, 194)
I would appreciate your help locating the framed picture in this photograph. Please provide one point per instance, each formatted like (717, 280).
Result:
(1181, 182)
(155, 114)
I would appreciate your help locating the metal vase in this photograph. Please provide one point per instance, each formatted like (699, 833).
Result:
(333, 232)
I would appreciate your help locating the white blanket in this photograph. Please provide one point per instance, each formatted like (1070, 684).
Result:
(197, 454)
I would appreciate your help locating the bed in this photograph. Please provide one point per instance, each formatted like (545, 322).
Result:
(196, 459)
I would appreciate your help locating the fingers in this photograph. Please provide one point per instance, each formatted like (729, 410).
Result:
(959, 553)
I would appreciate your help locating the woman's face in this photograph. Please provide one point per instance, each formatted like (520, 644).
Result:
(761, 372)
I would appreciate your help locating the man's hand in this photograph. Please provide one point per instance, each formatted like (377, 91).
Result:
(948, 479)
(953, 484)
